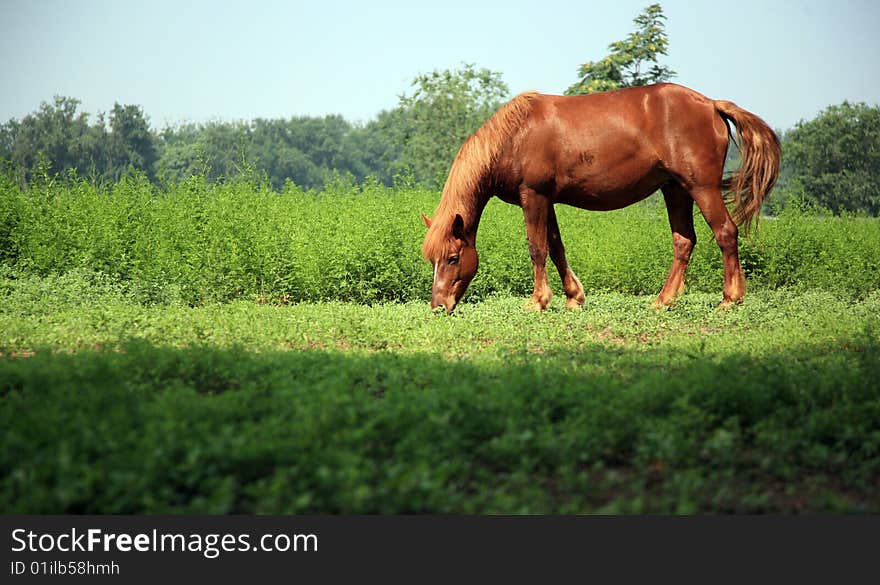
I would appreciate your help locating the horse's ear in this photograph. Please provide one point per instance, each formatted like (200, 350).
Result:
(458, 227)
(427, 220)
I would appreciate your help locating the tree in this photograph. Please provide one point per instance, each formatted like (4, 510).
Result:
(61, 136)
(214, 149)
(307, 150)
(278, 148)
(834, 159)
(444, 109)
(132, 145)
(377, 151)
(632, 62)
(58, 134)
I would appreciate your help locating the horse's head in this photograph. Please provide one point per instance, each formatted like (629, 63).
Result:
(455, 262)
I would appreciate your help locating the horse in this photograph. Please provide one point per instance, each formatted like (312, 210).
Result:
(601, 152)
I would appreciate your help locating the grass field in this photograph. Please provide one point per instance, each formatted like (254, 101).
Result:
(139, 376)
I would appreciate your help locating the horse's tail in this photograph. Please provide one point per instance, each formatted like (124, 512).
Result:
(760, 150)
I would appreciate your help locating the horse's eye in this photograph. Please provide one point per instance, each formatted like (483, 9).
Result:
(453, 260)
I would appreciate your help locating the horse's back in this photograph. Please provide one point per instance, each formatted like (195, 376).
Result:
(650, 113)
(608, 150)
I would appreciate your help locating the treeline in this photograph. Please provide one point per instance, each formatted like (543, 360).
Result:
(306, 150)
(832, 161)
(59, 138)
(418, 137)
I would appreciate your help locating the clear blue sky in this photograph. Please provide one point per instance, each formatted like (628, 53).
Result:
(195, 61)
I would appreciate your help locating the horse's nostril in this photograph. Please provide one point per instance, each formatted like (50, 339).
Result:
(438, 308)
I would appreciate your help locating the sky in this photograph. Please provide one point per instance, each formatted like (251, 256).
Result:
(195, 61)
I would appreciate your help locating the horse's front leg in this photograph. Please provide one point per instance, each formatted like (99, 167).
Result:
(574, 290)
(536, 209)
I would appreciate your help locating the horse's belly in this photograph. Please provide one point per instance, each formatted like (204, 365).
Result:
(604, 195)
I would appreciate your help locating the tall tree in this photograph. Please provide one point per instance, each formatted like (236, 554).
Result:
(132, 145)
(632, 61)
(443, 110)
(834, 159)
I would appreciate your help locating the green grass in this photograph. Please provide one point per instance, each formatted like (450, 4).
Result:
(110, 406)
(227, 348)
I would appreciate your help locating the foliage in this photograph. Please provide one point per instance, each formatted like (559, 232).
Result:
(197, 242)
(306, 150)
(628, 63)
(132, 145)
(443, 110)
(57, 139)
(419, 137)
(834, 159)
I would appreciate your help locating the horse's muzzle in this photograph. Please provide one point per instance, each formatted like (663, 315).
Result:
(447, 305)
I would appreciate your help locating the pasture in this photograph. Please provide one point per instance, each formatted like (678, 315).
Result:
(232, 349)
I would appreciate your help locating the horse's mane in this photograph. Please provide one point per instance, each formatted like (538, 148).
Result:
(473, 161)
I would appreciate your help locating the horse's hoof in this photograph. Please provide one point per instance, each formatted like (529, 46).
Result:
(659, 304)
(574, 304)
(534, 305)
(728, 304)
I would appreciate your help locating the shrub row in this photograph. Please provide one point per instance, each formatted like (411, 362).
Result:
(197, 243)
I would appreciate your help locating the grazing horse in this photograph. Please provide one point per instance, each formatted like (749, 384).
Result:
(600, 152)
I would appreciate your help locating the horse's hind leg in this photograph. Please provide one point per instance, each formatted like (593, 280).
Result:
(711, 204)
(680, 209)
(574, 291)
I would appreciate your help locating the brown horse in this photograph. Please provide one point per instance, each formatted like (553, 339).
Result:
(602, 151)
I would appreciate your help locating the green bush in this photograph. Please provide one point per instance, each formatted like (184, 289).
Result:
(196, 242)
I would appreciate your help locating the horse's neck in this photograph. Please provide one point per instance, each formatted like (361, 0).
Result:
(470, 206)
